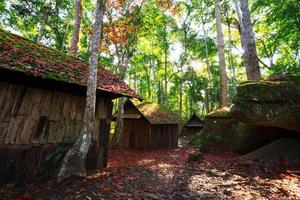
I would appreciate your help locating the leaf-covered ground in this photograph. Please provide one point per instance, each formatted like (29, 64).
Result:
(166, 174)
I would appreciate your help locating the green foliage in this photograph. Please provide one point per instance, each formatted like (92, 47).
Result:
(200, 140)
(280, 34)
(166, 42)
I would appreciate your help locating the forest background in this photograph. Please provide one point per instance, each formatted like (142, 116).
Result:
(166, 50)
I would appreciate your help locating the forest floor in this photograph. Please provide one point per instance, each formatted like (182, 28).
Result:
(167, 174)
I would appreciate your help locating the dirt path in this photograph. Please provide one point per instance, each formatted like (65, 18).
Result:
(165, 174)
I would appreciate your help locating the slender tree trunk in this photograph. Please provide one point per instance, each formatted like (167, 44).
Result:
(76, 29)
(206, 101)
(74, 161)
(155, 85)
(221, 52)
(42, 27)
(181, 71)
(248, 41)
(231, 64)
(119, 123)
(134, 82)
(210, 82)
(123, 64)
(149, 83)
(64, 38)
(180, 91)
(166, 77)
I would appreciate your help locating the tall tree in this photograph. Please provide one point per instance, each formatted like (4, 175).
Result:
(74, 161)
(248, 41)
(76, 28)
(121, 34)
(221, 53)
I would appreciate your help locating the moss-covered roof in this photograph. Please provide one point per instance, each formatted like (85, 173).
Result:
(220, 113)
(23, 55)
(194, 121)
(156, 114)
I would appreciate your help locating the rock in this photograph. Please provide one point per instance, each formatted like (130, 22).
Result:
(263, 111)
(287, 148)
(269, 103)
(218, 129)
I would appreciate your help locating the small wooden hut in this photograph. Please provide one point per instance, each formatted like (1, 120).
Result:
(193, 126)
(42, 99)
(148, 126)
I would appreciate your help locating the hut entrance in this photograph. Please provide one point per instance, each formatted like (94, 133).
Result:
(193, 126)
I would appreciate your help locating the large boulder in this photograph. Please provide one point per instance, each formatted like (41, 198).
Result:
(263, 111)
(219, 126)
(224, 132)
(286, 148)
(269, 103)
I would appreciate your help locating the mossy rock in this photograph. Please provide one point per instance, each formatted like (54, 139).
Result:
(281, 115)
(286, 90)
(287, 148)
(223, 112)
(269, 103)
(219, 123)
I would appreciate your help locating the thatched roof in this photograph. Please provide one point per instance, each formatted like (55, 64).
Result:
(23, 55)
(194, 121)
(155, 113)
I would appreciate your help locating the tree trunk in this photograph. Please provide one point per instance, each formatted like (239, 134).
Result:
(64, 38)
(76, 29)
(248, 42)
(180, 91)
(182, 62)
(42, 27)
(74, 161)
(210, 82)
(122, 64)
(115, 142)
(222, 64)
(165, 78)
(231, 64)
(134, 82)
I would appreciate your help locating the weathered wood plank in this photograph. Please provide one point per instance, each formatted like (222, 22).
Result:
(26, 101)
(15, 128)
(8, 103)
(56, 132)
(28, 130)
(3, 130)
(42, 106)
(57, 104)
(3, 93)
(101, 110)
(80, 108)
(68, 107)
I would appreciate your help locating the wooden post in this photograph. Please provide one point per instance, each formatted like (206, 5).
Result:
(105, 129)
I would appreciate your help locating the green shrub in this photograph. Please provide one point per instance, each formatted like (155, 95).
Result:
(199, 140)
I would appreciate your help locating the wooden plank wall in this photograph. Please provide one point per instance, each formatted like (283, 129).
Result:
(140, 134)
(37, 116)
(38, 126)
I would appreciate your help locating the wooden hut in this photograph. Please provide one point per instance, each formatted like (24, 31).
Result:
(148, 126)
(42, 99)
(193, 126)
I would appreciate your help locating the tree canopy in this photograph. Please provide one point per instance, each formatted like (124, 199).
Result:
(167, 49)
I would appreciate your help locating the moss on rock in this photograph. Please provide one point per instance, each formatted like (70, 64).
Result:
(287, 90)
(271, 103)
(223, 112)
